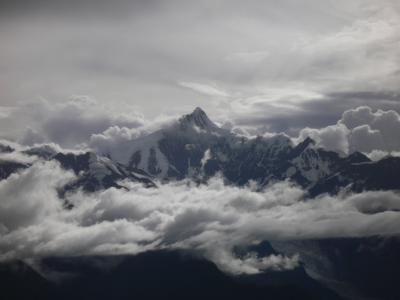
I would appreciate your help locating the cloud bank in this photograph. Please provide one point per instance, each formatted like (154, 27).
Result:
(81, 122)
(71, 123)
(210, 219)
(360, 129)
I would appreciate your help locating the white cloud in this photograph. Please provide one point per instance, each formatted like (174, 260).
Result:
(211, 219)
(251, 263)
(334, 138)
(206, 157)
(379, 154)
(119, 142)
(204, 89)
(30, 196)
(67, 123)
(360, 129)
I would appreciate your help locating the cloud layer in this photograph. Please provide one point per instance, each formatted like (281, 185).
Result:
(283, 65)
(71, 123)
(360, 129)
(211, 219)
(82, 122)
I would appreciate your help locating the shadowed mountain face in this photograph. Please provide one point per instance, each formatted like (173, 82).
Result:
(94, 172)
(357, 268)
(9, 167)
(152, 275)
(363, 268)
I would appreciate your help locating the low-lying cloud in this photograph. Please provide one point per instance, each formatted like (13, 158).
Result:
(210, 218)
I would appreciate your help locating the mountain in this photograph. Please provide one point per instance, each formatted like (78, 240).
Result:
(8, 167)
(150, 275)
(361, 176)
(93, 172)
(174, 152)
(356, 268)
(195, 147)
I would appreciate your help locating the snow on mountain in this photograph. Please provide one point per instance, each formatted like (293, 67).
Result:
(312, 166)
(195, 147)
(96, 172)
(161, 153)
(199, 121)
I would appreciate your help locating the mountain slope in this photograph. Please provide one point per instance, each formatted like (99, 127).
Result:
(195, 147)
(150, 275)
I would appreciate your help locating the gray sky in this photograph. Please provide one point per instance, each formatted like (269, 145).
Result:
(282, 65)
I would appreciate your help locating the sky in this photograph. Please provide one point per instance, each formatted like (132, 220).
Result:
(74, 73)
(278, 65)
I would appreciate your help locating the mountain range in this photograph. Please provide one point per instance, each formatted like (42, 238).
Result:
(196, 148)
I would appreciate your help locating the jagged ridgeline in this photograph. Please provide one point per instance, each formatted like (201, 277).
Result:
(197, 148)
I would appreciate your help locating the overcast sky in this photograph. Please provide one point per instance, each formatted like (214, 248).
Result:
(281, 64)
(91, 73)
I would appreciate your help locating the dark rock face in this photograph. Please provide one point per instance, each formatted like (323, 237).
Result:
(9, 167)
(363, 176)
(95, 173)
(20, 281)
(357, 268)
(151, 275)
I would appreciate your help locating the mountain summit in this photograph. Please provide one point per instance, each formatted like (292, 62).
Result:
(198, 120)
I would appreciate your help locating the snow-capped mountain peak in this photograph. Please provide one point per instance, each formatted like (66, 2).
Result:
(198, 120)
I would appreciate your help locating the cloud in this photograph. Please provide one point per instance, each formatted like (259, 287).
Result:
(115, 141)
(247, 57)
(376, 155)
(345, 52)
(204, 89)
(381, 129)
(118, 141)
(206, 157)
(356, 64)
(360, 129)
(210, 219)
(333, 137)
(31, 195)
(66, 123)
(252, 264)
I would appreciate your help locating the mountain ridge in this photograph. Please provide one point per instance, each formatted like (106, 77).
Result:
(196, 148)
